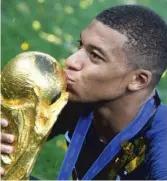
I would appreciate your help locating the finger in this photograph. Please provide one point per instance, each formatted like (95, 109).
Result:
(4, 123)
(2, 171)
(6, 149)
(7, 138)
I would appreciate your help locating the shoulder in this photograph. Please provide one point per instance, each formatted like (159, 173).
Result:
(159, 124)
(157, 145)
(161, 111)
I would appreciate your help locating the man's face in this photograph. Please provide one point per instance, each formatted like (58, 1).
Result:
(98, 70)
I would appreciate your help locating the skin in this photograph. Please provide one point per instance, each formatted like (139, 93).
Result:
(104, 79)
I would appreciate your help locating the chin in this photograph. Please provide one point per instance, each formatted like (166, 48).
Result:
(73, 98)
(77, 99)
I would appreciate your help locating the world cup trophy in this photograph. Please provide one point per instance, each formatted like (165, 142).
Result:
(33, 94)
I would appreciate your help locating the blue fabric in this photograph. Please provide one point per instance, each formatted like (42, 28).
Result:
(75, 146)
(155, 164)
(111, 150)
(156, 161)
(114, 147)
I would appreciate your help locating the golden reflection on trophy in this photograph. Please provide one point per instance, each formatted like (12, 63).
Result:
(33, 93)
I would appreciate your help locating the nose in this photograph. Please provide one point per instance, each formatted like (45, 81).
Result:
(76, 60)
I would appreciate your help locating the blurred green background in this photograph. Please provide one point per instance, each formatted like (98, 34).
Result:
(53, 27)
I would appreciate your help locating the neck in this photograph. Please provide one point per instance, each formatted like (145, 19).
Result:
(113, 116)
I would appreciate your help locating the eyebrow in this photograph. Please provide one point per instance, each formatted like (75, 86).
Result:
(95, 47)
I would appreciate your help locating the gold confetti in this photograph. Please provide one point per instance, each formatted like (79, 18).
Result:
(68, 10)
(36, 25)
(25, 46)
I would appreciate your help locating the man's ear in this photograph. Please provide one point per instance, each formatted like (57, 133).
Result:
(140, 79)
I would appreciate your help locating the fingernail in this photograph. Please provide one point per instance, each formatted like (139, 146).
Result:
(4, 122)
(10, 149)
(11, 139)
(2, 171)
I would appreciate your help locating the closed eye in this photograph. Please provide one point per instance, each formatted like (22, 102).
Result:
(91, 50)
(94, 55)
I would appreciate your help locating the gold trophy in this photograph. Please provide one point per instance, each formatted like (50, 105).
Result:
(33, 93)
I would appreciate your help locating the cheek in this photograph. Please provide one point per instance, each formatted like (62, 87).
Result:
(104, 84)
(92, 76)
(94, 84)
(96, 76)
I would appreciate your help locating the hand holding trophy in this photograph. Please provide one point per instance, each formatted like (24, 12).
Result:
(33, 93)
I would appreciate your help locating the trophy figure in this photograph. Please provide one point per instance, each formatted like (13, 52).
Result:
(33, 93)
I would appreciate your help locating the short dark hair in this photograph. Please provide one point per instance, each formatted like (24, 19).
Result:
(147, 36)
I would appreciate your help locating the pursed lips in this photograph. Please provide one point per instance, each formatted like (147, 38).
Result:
(68, 78)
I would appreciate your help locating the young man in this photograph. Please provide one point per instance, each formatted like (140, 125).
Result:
(123, 134)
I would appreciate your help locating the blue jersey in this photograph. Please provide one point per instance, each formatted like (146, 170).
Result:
(143, 157)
